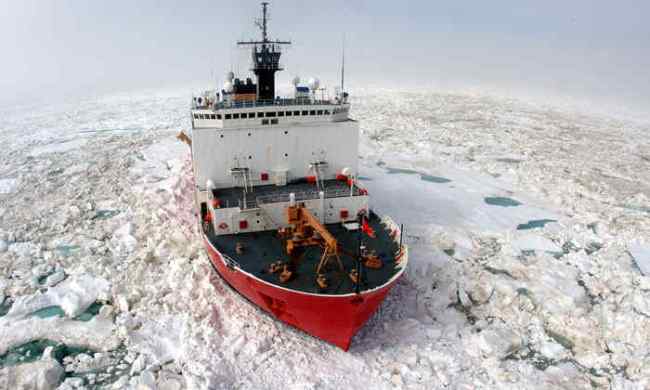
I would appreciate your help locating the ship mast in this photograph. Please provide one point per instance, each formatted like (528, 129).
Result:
(266, 58)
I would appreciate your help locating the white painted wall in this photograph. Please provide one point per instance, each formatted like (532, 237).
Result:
(262, 149)
(272, 216)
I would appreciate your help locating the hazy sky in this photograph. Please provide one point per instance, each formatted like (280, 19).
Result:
(571, 47)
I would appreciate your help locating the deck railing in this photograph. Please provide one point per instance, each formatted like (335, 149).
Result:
(305, 195)
(273, 103)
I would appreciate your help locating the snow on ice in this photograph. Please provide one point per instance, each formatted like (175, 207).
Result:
(527, 228)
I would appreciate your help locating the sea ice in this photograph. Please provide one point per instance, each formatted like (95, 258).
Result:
(115, 202)
(73, 296)
(44, 374)
(641, 255)
(8, 185)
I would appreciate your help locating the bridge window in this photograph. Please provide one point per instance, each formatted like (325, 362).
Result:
(228, 116)
(305, 112)
(212, 116)
(274, 121)
(260, 115)
(288, 113)
(312, 112)
(327, 112)
(235, 116)
(196, 116)
(265, 121)
(219, 116)
(296, 113)
(319, 112)
(281, 113)
(251, 115)
(270, 114)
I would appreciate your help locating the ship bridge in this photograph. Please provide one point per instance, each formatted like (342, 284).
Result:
(251, 114)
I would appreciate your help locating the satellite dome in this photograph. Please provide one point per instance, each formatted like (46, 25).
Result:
(230, 76)
(296, 81)
(314, 83)
(227, 86)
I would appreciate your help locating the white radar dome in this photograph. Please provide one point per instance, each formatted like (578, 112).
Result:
(230, 76)
(296, 81)
(227, 86)
(314, 83)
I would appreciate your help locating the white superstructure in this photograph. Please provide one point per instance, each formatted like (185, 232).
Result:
(255, 153)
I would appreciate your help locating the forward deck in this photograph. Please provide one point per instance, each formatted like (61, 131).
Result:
(261, 249)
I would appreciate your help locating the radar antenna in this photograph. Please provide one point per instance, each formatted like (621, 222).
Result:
(262, 23)
(343, 66)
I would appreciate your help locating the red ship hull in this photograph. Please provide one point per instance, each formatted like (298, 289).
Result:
(333, 318)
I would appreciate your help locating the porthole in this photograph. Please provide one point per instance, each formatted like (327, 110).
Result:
(221, 136)
(286, 132)
(249, 134)
(250, 157)
(286, 155)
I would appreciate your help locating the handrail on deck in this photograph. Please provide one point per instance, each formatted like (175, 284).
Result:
(273, 103)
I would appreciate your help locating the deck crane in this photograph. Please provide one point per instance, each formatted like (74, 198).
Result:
(306, 230)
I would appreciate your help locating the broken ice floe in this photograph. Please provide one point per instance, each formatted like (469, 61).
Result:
(8, 186)
(641, 255)
(73, 296)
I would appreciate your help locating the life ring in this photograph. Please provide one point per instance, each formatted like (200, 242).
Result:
(223, 225)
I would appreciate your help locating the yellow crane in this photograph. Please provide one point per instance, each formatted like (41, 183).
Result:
(304, 225)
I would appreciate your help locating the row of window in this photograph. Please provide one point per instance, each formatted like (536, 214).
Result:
(252, 115)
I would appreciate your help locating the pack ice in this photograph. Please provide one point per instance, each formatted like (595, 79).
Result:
(527, 227)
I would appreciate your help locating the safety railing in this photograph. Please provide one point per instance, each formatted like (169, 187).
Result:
(304, 195)
(273, 103)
